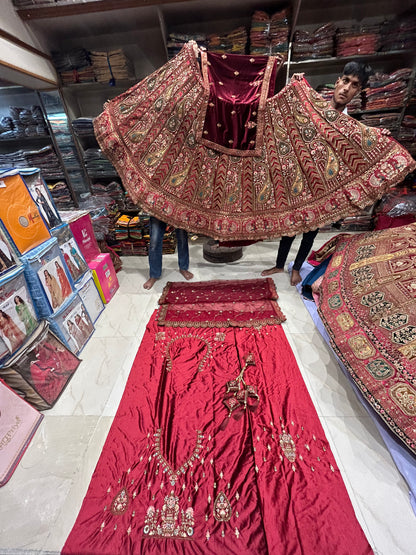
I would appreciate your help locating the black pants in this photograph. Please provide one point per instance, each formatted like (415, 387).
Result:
(304, 249)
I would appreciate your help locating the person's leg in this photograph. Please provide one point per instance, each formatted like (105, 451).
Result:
(304, 249)
(157, 230)
(183, 253)
(282, 253)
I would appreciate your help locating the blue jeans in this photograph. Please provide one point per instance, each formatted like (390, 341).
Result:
(157, 230)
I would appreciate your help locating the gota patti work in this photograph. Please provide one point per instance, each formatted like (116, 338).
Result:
(368, 306)
(216, 448)
(210, 149)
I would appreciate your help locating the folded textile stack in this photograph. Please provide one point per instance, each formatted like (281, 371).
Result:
(113, 190)
(23, 122)
(31, 3)
(128, 227)
(315, 44)
(234, 41)
(81, 75)
(388, 90)
(46, 160)
(357, 104)
(61, 195)
(176, 41)
(399, 34)
(111, 66)
(357, 40)
(386, 120)
(326, 91)
(407, 134)
(83, 126)
(74, 66)
(269, 34)
(15, 159)
(97, 164)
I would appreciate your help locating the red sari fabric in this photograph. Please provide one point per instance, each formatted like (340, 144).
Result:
(368, 305)
(216, 448)
(309, 165)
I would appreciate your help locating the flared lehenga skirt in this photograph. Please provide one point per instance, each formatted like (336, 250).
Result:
(293, 166)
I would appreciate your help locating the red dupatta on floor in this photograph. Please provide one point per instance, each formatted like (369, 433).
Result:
(216, 448)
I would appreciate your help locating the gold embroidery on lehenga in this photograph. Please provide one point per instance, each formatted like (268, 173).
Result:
(222, 508)
(405, 397)
(166, 523)
(120, 502)
(173, 474)
(288, 447)
(188, 336)
(361, 347)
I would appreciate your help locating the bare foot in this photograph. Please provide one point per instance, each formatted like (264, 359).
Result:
(295, 278)
(149, 283)
(186, 274)
(271, 271)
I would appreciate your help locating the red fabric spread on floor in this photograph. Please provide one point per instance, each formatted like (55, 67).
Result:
(216, 448)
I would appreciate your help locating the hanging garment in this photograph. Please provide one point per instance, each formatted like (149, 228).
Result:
(368, 305)
(216, 446)
(212, 150)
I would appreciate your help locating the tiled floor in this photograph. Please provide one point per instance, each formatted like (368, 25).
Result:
(40, 503)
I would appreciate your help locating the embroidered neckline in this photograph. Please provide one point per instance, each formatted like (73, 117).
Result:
(174, 474)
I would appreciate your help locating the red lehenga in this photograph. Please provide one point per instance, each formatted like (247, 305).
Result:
(367, 302)
(216, 448)
(214, 151)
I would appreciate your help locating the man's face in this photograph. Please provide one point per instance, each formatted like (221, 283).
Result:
(346, 87)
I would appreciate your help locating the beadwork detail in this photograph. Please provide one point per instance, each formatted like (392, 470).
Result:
(173, 475)
(222, 508)
(166, 524)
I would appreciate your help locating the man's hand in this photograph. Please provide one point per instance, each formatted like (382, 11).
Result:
(297, 77)
(385, 131)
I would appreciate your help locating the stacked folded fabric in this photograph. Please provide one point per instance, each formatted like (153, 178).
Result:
(176, 41)
(113, 190)
(388, 90)
(269, 34)
(234, 41)
(128, 227)
(326, 91)
(385, 120)
(74, 66)
(23, 122)
(46, 160)
(315, 44)
(111, 66)
(357, 40)
(407, 134)
(15, 159)
(399, 34)
(83, 126)
(61, 195)
(97, 164)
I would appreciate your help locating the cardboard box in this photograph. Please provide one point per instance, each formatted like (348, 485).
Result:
(104, 275)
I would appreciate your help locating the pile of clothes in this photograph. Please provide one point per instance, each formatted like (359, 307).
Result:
(269, 34)
(110, 66)
(316, 44)
(388, 90)
(399, 34)
(234, 42)
(74, 66)
(357, 40)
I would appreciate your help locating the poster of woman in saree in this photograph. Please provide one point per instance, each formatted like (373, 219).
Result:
(63, 280)
(10, 332)
(24, 311)
(50, 281)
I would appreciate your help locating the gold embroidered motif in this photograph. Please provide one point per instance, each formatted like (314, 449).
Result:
(169, 525)
(405, 397)
(189, 336)
(222, 508)
(174, 474)
(120, 502)
(288, 447)
(345, 321)
(361, 347)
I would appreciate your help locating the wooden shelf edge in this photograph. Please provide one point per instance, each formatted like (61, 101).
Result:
(44, 12)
